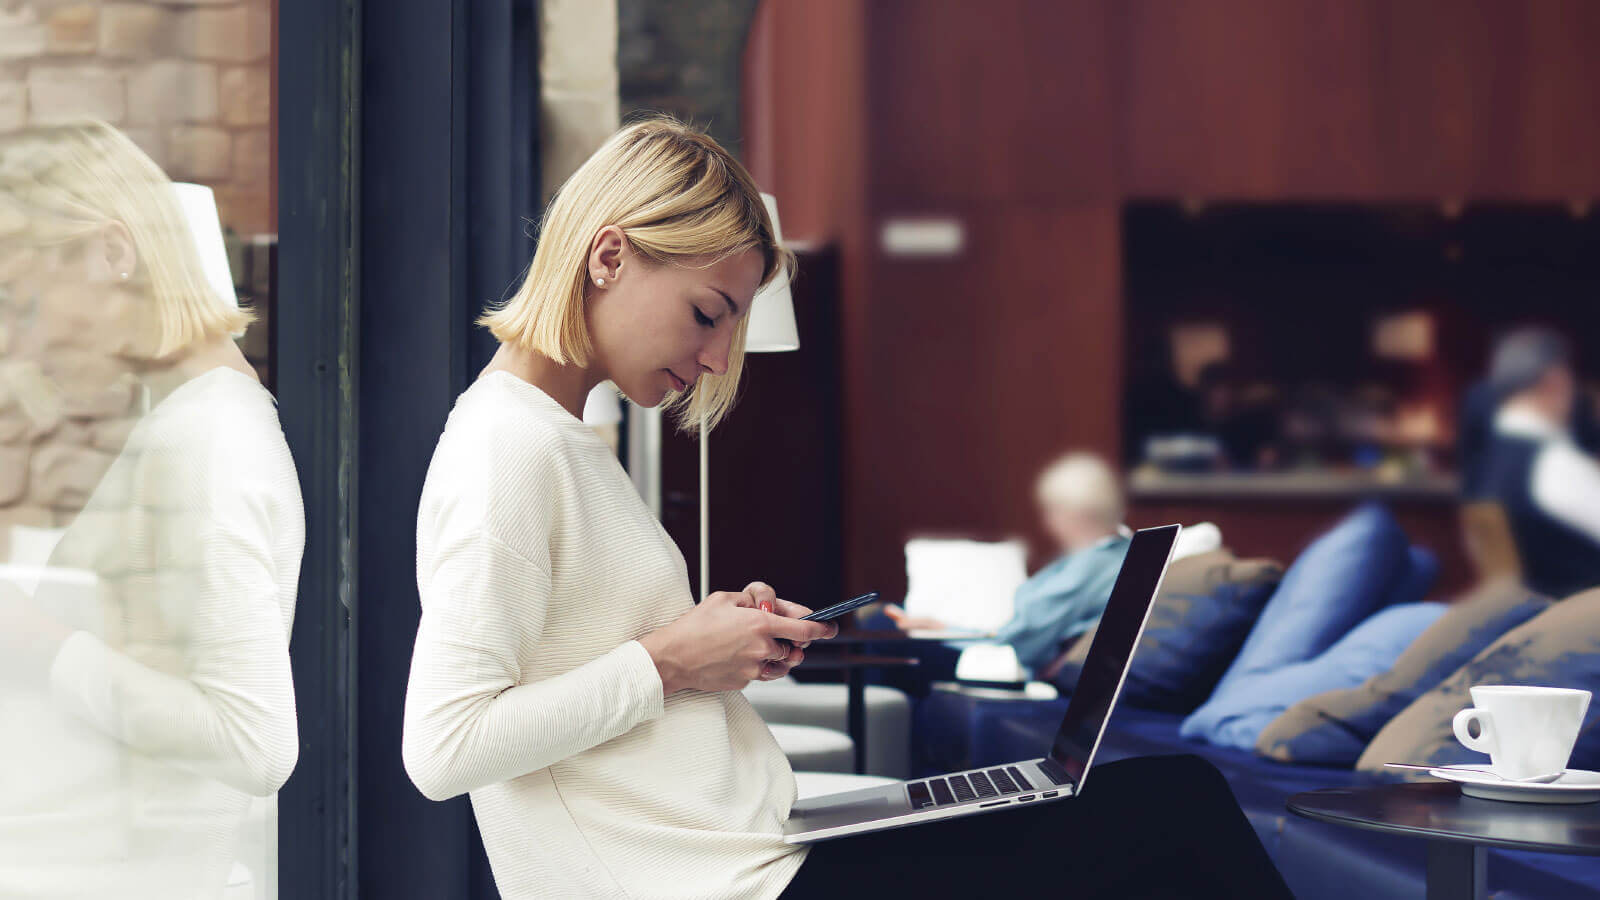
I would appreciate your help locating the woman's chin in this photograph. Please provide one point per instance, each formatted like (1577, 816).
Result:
(649, 399)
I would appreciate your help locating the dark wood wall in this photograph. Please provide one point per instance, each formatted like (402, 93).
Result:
(1032, 123)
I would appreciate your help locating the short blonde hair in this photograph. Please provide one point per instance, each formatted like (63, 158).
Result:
(62, 183)
(679, 198)
(1083, 482)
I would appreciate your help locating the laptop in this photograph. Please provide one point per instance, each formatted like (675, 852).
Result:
(998, 788)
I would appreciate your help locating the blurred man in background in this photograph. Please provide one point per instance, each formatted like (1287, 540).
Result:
(1524, 456)
(1081, 505)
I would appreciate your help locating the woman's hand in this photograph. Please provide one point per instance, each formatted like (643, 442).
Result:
(912, 623)
(730, 640)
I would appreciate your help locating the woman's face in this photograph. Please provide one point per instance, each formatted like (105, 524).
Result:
(67, 311)
(659, 328)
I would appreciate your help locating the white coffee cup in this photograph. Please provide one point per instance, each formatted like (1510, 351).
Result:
(1526, 731)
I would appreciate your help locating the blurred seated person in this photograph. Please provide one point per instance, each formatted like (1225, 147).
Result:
(1524, 455)
(1081, 506)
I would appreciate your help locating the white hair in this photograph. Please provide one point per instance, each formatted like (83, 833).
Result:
(1084, 483)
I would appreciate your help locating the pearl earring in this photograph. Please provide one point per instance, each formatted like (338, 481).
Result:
(125, 276)
(601, 282)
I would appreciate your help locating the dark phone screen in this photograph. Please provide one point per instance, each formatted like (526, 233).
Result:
(839, 609)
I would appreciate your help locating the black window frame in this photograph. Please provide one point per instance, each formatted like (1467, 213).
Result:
(408, 169)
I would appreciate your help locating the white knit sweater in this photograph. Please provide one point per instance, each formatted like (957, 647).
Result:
(129, 773)
(539, 567)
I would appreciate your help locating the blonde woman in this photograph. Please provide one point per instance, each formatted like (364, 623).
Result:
(562, 673)
(148, 663)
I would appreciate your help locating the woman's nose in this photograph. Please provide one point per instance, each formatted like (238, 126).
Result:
(714, 356)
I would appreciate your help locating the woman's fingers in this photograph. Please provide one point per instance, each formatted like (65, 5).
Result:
(776, 669)
(761, 594)
(791, 610)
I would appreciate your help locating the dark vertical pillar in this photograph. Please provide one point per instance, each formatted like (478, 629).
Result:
(314, 332)
(408, 152)
(445, 188)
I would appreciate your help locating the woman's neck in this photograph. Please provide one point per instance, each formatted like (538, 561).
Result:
(568, 385)
(171, 373)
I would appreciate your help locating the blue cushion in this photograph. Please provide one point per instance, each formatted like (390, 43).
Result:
(1338, 581)
(1560, 647)
(1422, 570)
(1195, 628)
(1368, 649)
(1334, 727)
(1204, 611)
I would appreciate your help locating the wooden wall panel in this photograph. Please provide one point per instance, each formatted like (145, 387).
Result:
(1362, 99)
(1032, 121)
(990, 103)
(803, 114)
(983, 368)
(1556, 129)
(1210, 105)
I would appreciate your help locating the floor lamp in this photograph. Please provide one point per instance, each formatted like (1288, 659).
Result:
(771, 330)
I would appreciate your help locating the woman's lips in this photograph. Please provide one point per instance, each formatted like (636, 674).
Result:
(678, 384)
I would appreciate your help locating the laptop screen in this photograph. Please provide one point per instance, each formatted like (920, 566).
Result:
(1112, 649)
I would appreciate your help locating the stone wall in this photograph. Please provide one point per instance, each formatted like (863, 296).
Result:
(190, 82)
(685, 57)
(578, 84)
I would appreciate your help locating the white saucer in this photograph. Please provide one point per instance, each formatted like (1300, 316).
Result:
(1574, 786)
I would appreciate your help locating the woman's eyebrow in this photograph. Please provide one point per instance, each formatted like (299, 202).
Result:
(732, 306)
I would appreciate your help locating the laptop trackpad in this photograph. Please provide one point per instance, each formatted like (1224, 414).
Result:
(866, 805)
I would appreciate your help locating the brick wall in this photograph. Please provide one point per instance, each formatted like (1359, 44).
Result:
(190, 82)
(684, 57)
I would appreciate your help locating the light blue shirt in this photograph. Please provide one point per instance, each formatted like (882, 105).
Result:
(1061, 601)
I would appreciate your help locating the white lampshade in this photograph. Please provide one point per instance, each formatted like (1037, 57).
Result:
(199, 207)
(772, 328)
(603, 406)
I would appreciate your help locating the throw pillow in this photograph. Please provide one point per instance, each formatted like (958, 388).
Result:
(1339, 580)
(1333, 728)
(1560, 647)
(1205, 608)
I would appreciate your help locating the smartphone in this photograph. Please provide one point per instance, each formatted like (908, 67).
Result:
(839, 609)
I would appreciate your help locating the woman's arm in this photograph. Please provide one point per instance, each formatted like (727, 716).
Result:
(471, 718)
(228, 713)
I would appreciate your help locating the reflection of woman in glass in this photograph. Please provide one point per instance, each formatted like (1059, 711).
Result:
(562, 673)
(148, 665)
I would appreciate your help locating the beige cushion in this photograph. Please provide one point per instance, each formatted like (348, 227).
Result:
(1333, 728)
(1558, 648)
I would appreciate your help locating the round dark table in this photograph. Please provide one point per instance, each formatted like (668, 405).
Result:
(1458, 829)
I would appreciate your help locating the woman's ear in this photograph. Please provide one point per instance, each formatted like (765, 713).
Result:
(606, 254)
(117, 254)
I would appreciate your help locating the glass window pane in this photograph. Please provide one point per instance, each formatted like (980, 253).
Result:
(150, 519)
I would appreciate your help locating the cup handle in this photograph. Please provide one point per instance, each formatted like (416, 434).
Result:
(1484, 742)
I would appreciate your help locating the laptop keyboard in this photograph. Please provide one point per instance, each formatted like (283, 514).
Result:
(997, 782)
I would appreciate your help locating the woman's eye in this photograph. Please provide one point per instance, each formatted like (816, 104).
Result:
(703, 319)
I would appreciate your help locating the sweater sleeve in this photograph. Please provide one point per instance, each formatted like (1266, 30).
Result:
(1566, 485)
(470, 719)
(228, 710)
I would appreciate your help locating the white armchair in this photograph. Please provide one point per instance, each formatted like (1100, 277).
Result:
(824, 706)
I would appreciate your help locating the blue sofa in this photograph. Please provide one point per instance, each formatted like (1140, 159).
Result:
(954, 731)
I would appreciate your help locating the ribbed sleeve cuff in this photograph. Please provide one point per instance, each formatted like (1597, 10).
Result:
(646, 680)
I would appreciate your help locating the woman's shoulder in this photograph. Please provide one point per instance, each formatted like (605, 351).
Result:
(498, 449)
(490, 425)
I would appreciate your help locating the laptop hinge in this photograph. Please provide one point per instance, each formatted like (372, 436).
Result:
(1058, 774)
